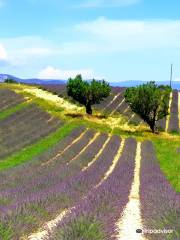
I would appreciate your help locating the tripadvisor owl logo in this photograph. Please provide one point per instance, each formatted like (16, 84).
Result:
(138, 230)
(154, 231)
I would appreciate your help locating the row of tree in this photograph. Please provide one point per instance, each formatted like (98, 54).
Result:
(149, 101)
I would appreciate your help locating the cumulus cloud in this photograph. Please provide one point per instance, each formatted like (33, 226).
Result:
(120, 35)
(23, 50)
(107, 3)
(55, 73)
(102, 35)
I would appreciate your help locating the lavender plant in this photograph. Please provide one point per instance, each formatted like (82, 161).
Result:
(104, 204)
(9, 98)
(25, 210)
(160, 204)
(20, 130)
(174, 121)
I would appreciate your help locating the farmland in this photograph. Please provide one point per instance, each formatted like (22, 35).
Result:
(115, 104)
(9, 98)
(64, 175)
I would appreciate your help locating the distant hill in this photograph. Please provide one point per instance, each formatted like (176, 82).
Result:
(3, 77)
(130, 83)
(133, 83)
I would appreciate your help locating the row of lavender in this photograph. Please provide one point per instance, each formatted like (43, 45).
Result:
(113, 104)
(44, 189)
(115, 91)
(18, 186)
(118, 105)
(95, 217)
(160, 204)
(174, 121)
(23, 128)
(9, 98)
(34, 193)
(58, 89)
(41, 174)
(101, 209)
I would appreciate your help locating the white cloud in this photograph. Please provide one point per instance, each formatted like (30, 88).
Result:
(54, 73)
(120, 35)
(3, 53)
(25, 49)
(94, 37)
(108, 3)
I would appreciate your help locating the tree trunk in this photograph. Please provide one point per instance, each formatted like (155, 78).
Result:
(88, 109)
(152, 129)
(153, 126)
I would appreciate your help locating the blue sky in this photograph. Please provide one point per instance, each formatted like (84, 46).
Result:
(117, 39)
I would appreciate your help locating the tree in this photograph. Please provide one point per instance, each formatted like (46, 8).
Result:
(87, 93)
(149, 101)
(9, 80)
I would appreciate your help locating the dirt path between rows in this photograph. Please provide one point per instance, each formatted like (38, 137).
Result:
(131, 216)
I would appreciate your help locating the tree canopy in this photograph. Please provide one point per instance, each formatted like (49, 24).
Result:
(149, 101)
(87, 93)
(9, 80)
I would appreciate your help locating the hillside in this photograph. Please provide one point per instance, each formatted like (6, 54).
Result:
(65, 175)
(115, 105)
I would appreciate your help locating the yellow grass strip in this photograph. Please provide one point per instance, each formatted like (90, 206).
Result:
(84, 149)
(131, 217)
(179, 108)
(168, 117)
(114, 163)
(98, 154)
(61, 152)
(117, 106)
(112, 100)
(58, 101)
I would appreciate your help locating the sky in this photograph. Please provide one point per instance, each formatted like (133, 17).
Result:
(116, 40)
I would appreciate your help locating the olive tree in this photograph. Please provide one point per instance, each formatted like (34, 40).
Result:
(149, 101)
(87, 93)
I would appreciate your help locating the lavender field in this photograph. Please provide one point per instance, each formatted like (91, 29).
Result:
(9, 98)
(23, 128)
(115, 104)
(89, 120)
(88, 184)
